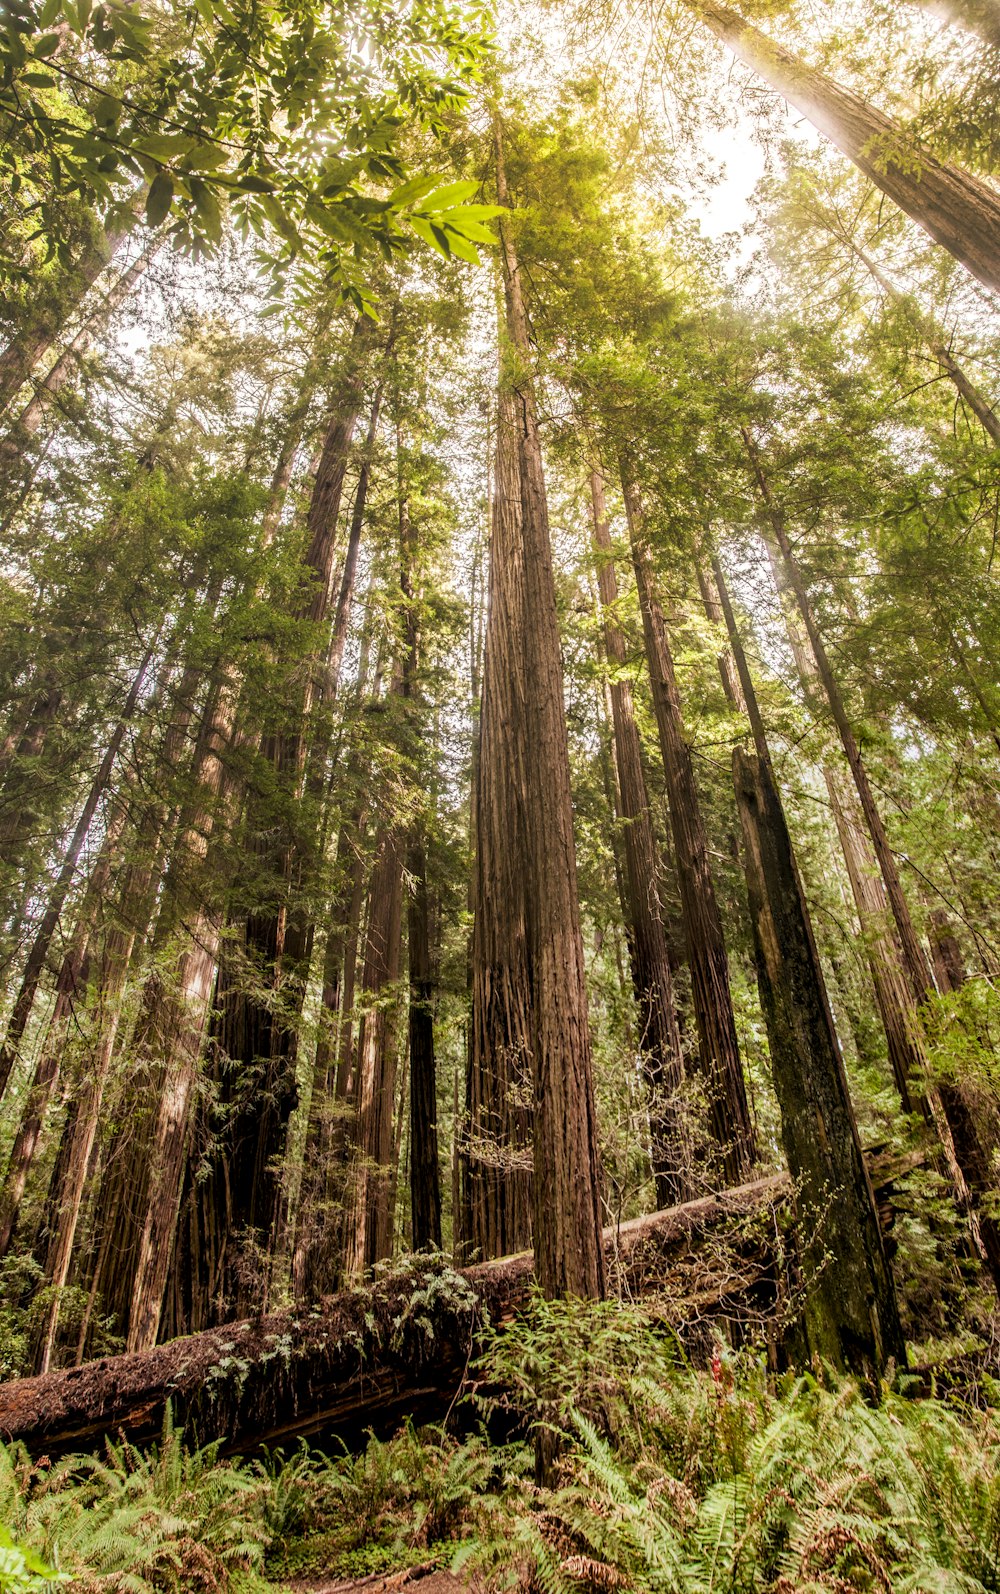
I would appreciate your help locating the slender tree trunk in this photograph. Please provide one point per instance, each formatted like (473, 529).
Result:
(932, 335)
(281, 939)
(68, 988)
(958, 210)
(722, 1069)
(177, 1019)
(41, 326)
(425, 1177)
(852, 1319)
(80, 1135)
(39, 952)
(659, 1034)
(368, 1227)
(569, 1257)
(48, 389)
(969, 1160)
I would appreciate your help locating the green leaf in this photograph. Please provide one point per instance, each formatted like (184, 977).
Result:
(415, 189)
(451, 194)
(462, 247)
(165, 146)
(250, 183)
(159, 199)
(207, 207)
(107, 110)
(474, 230)
(423, 230)
(48, 44)
(50, 10)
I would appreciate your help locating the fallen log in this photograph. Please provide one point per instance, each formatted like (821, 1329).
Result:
(380, 1349)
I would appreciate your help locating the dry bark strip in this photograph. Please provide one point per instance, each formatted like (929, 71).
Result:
(367, 1353)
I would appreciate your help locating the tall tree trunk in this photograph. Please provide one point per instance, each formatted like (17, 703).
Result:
(177, 1016)
(34, 968)
(314, 1256)
(958, 210)
(42, 325)
(659, 1034)
(569, 1257)
(259, 1034)
(48, 389)
(930, 331)
(68, 989)
(496, 1153)
(722, 1069)
(425, 1175)
(852, 1319)
(137, 907)
(969, 1159)
(368, 1224)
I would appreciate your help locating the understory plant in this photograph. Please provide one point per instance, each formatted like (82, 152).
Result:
(672, 1479)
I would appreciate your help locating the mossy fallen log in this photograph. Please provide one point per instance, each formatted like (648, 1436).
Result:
(384, 1349)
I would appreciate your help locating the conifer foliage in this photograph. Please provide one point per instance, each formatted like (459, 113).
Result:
(499, 731)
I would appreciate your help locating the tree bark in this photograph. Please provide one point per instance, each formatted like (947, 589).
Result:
(367, 1355)
(496, 1155)
(569, 1258)
(368, 1224)
(722, 1069)
(35, 965)
(659, 1033)
(425, 1176)
(958, 210)
(852, 1319)
(968, 1158)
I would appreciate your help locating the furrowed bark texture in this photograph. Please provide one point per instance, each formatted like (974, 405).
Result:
(368, 1220)
(241, 1202)
(967, 1154)
(722, 1069)
(284, 1375)
(498, 1133)
(851, 1315)
(659, 1034)
(366, 1356)
(569, 1259)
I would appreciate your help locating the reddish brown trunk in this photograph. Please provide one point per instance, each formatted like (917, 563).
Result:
(498, 1130)
(659, 1035)
(965, 1153)
(569, 1257)
(729, 1112)
(368, 1225)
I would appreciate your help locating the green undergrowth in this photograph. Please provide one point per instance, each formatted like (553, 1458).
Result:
(670, 1478)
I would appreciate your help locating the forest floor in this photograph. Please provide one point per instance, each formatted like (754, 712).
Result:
(671, 1479)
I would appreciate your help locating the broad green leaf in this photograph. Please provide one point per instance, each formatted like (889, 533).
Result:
(462, 247)
(415, 189)
(107, 110)
(159, 199)
(451, 194)
(165, 146)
